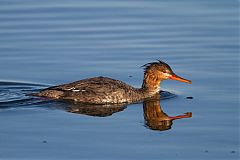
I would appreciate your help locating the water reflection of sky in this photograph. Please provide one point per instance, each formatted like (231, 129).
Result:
(53, 42)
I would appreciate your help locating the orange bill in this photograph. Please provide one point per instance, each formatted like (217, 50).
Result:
(177, 78)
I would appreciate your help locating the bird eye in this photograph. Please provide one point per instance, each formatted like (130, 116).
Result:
(166, 71)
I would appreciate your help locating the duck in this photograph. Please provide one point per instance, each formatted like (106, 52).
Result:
(105, 90)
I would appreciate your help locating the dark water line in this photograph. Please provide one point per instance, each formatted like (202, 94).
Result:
(19, 84)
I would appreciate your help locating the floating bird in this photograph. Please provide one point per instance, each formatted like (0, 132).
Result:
(104, 90)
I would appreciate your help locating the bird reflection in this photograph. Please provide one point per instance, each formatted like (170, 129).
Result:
(155, 118)
(95, 110)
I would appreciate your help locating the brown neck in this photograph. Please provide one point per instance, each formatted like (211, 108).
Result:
(151, 83)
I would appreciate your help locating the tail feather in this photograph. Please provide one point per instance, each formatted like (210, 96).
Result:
(49, 93)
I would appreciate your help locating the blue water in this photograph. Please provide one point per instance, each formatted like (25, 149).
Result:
(50, 42)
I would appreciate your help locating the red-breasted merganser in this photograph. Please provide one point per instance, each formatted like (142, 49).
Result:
(103, 90)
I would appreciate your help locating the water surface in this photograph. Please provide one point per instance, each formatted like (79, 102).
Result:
(44, 43)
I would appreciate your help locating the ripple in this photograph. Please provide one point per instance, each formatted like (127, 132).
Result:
(167, 95)
(16, 93)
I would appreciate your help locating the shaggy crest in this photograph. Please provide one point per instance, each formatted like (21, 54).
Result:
(159, 65)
